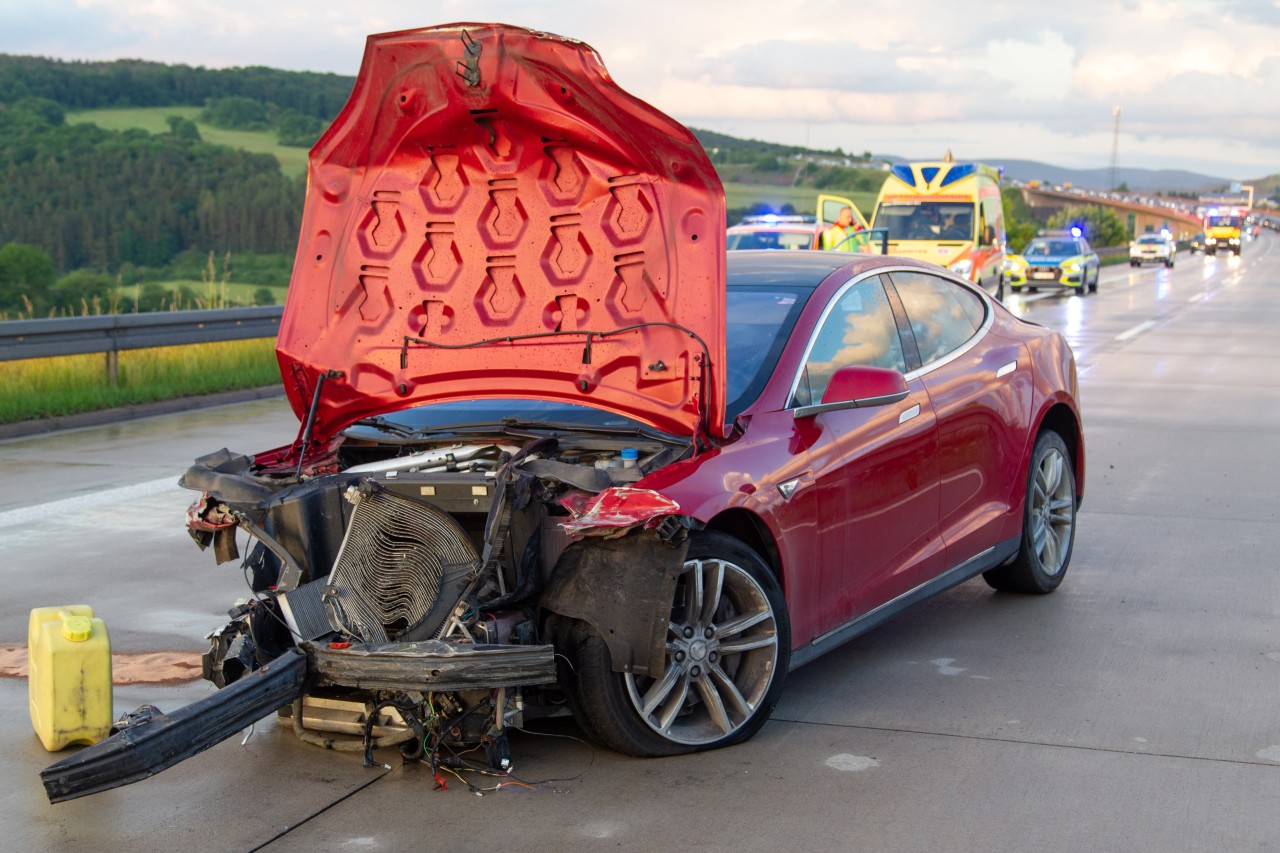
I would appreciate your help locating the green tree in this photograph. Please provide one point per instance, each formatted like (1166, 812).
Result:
(1020, 222)
(298, 130)
(79, 290)
(25, 271)
(183, 128)
(768, 162)
(264, 296)
(237, 113)
(1101, 225)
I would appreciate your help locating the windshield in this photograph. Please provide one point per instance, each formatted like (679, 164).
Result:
(769, 240)
(1224, 221)
(927, 220)
(1151, 239)
(1044, 248)
(759, 319)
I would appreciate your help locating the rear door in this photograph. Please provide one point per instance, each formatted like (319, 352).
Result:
(980, 387)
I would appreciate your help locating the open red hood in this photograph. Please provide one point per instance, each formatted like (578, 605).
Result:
(489, 182)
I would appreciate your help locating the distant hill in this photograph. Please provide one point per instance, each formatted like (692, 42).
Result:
(1137, 179)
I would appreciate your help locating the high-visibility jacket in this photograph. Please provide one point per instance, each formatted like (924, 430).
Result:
(842, 239)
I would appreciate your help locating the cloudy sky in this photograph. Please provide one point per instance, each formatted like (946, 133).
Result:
(1198, 81)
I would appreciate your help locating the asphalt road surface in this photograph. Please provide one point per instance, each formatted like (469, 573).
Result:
(1137, 709)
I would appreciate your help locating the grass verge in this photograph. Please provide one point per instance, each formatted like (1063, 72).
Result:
(53, 387)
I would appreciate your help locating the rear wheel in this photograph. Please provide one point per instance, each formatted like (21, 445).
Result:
(1048, 522)
(727, 652)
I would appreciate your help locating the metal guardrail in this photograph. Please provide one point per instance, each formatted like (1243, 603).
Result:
(111, 333)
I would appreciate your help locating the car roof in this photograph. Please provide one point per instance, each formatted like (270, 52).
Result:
(798, 268)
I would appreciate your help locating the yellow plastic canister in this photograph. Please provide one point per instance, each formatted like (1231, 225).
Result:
(69, 676)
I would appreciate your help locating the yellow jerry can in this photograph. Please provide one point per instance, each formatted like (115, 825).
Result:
(69, 676)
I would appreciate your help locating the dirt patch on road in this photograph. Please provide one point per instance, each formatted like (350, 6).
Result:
(149, 668)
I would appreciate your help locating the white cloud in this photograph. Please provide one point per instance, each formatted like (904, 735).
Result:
(1037, 70)
(1034, 79)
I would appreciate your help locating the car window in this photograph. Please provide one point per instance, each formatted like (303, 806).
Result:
(770, 240)
(1084, 247)
(859, 329)
(758, 323)
(943, 314)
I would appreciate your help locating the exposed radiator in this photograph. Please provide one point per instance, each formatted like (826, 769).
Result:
(396, 558)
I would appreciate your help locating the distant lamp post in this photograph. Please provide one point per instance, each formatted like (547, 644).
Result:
(1115, 144)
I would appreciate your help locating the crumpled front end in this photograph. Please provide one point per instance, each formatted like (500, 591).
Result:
(407, 591)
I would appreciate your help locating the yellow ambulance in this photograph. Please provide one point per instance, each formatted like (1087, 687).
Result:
(948, 213)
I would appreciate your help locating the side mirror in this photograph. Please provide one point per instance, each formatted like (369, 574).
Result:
(988, 235)
(859, 386)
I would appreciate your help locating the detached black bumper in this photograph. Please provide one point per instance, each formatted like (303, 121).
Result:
(157, 741)
(160, 741)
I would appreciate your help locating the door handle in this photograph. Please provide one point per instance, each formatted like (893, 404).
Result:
(909, 414)
(1006, 370)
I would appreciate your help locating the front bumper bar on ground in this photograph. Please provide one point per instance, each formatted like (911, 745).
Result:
(162, 740)
(158, 741)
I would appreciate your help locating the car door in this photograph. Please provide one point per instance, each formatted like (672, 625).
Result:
(1091, 263)
(875, 470)
(980, 386)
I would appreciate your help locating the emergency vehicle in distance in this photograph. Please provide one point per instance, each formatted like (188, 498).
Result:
(948, 213)
(1222, 230)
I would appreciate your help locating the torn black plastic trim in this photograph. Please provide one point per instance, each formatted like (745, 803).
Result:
(159, 741)
(623, 588)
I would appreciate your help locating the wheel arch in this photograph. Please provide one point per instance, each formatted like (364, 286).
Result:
(751, 530)
(1061, 418)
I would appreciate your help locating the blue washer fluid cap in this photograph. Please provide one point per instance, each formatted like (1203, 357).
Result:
(630, 453)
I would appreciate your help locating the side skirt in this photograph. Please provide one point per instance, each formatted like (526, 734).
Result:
(972, 567)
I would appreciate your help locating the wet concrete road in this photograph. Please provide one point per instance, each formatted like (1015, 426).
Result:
(1138, 708)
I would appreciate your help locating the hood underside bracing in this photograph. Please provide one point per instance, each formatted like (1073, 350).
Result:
(491, 216)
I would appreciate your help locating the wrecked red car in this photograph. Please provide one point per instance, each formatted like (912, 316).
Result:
(559, 450)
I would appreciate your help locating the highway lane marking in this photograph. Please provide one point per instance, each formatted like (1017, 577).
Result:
(118, 497)
(1197, 297)
(1136, 330)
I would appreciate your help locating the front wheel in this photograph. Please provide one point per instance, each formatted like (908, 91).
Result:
(1093, 285)
(727, 652)
(1048, 522)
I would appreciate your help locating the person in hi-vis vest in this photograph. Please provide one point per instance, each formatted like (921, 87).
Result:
(843, 236)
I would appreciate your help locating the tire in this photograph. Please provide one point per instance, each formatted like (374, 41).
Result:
(1048, 523)
(1093, 285)
(1016, 288)
(707, 697)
